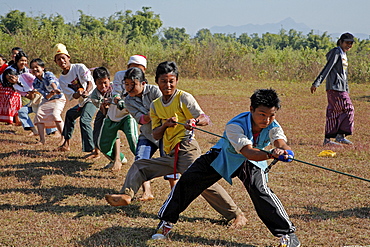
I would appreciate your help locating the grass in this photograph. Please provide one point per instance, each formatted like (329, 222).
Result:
(49, 198)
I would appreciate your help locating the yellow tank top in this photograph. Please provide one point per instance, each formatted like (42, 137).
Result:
(176, 108)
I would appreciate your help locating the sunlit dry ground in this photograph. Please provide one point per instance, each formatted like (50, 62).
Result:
(49, 198)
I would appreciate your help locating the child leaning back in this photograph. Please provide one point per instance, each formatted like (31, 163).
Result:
(117, 118)
(100, 97)
(138, 101)
(52, 104)
(76, 83)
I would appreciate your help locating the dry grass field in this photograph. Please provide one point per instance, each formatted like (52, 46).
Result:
(50, 198)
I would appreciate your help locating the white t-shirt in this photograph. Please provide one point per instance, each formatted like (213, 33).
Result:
(119, 84)
(77, 77)
(344, 63)
(114, 113)
(235, 134)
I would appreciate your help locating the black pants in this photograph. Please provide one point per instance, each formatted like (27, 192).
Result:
(200, 175)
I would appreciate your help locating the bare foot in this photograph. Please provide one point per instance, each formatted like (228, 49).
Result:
(239, 221)
(63, 149)
(32, 134)
(118, 199)
(146, 197)
(40, 143)
(92, 156)
(61, 141)
(95, 157)
(117, 166)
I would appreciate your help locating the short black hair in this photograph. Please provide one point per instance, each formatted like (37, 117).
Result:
(5, 81)
(19, 56)
(265, 97)
(166, 68)
(38, 61)
(10, 72)
(101, 72)
(135, 73)
(17, 49)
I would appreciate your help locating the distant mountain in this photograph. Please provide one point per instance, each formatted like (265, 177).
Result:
(286, 24)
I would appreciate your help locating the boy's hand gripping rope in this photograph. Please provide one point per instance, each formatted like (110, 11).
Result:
(322, 167)
(275, 160)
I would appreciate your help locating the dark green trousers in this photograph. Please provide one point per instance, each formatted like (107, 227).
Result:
(86, 114)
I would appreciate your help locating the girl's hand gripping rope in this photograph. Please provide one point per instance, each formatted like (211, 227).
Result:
(191, 123)
(106, 102)
(121, 104)
(170, 122)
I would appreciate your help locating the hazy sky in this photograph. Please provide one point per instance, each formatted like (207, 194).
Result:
(325, 15)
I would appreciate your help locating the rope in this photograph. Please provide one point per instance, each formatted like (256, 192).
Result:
(304, 162)
(203, 130)
(322, 167)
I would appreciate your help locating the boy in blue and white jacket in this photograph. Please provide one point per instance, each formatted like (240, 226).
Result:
(239, 154)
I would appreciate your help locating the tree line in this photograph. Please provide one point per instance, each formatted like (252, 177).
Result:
(109, 41)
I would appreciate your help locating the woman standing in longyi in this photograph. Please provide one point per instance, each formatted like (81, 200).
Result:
(340, 110)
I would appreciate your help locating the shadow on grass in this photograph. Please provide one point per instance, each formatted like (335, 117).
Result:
(32, 153)
(320, 214)
(221, 221)
(7, 132)
(80, 211)
(134, 236)
(35, 171)
(29, 153)
(363, 98)
(51, 197)
(55, 195)
(17, 141)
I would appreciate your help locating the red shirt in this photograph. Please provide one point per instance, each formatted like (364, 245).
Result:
(2, 68)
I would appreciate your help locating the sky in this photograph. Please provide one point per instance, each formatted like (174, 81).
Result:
(325, 15)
